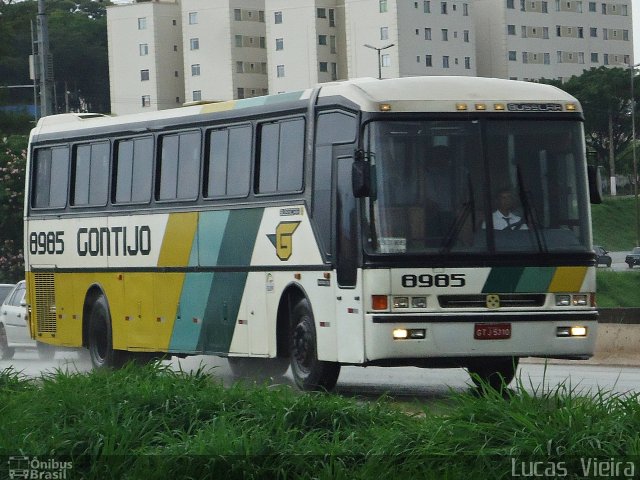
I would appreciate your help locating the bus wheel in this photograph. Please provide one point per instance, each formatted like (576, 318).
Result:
(258, 367)
(45, 351)
(494, 372)
(6, 352)
(308, 372)
(99, 341)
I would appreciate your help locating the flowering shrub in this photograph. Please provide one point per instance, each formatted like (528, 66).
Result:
(13, 159)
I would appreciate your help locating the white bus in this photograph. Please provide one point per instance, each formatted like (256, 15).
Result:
(355, 223)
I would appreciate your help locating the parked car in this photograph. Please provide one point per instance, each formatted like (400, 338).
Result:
(5, 288)
(633, 258)
(14, 327)
(602, 256)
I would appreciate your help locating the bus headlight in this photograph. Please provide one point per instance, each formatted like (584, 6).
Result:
(563, 300)
(577, 331)
(581, 300)
(400, 302)
(409, 334)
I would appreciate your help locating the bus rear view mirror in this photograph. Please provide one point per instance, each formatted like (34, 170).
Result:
(595, 184)
(361, 179)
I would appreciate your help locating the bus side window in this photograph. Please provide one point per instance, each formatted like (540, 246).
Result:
(90, 174)
(281, 156)
(50, 177)
(331, 128)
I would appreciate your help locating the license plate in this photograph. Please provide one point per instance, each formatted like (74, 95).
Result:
(492, 331)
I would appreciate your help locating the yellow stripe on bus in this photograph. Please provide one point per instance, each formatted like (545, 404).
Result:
(178, 239)
(218, 107)
(568, 279)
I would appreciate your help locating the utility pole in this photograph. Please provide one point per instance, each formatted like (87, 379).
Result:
(378, 49)
(45, 67)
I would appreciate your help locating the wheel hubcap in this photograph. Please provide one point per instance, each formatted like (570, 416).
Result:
(302, 347)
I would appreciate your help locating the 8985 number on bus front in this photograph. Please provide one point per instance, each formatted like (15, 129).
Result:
(440, 280)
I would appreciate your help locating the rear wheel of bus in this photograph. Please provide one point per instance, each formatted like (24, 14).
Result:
(493, 372)
(308, 372)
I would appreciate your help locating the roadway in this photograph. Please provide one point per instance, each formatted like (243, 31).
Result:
(399, 382)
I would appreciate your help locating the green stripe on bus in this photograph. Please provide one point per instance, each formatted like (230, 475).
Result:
(535, 279)
(227, 288)
(503, 280)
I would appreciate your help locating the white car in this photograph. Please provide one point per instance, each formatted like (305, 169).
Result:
(14, 328)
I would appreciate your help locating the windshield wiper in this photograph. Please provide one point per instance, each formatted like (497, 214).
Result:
(530, 213)
(468, 208)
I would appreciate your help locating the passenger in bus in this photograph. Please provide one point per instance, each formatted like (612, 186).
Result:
(503, 217)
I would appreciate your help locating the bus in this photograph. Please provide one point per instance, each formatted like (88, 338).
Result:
(355, 223)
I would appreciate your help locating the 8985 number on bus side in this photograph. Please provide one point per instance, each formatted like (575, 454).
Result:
(51, 243)
(440, 280)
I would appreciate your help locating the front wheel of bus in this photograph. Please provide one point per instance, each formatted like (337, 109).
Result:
(99, 341)
(308, 372)
(493, 372)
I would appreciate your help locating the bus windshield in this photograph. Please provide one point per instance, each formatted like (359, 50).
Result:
(476, 186)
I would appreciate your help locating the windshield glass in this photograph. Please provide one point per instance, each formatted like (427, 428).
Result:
(477, 187)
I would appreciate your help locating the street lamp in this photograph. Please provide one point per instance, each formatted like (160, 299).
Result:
(379, 58)
(633, 149)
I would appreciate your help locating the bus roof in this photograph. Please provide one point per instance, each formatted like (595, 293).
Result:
(408, 94)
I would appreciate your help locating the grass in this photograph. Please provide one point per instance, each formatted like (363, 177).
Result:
(151, 422)
(618, 289)
(614, 223)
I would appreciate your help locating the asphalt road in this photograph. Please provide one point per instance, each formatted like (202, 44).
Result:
(617, 262)
(401, 383)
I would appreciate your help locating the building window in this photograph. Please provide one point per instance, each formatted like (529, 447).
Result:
(239, 67)
(445, 35)
(545, 33)
(443, 8)
(194, 43)
(196, 95)
(511, 29)
(323, 67)
(238, 39)
(332, 43)
(465, 36)
(428, 62)
(558, 31)
(604, 11)
(144, 75)
(592, 6)
(384, 33)
(334, 71)
(594, 57)
(547, 59)
(142, 23)
(386, 60)
(332, 17)
(279, 43)
(445, 61)
(322, 39)
(321, 12)
(144, 49)
(277, 17)
(525, 57)
(625, 35)
(593, 31)
(580, 32)
(427, 33)
(175, 48)
(524, 32)
(510, 4)
(512, 55)
(605, 34)
(581, 57)
(193, 18)
(625, 11)
(176, 74)
(280, 71)
(427, 6)
(146, 100)
(195, 70)
(545, 7)
(605, 58)
(467, 63)
(465, 9)
(383, 6)
(237, 14)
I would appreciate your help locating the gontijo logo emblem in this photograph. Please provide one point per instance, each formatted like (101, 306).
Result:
(283, 239)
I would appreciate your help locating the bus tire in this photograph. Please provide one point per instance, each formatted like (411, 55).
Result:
(493, 372)
(308, 372)
(6, 352)
(99, 338)
(258, 367)
(45, 351)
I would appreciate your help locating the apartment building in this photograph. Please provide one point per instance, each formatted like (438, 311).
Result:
(145, 56)
(533, 39)
(306, 43)
(225, 54)
(428, 37)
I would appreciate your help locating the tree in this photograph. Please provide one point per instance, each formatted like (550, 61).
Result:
(78, 44)
(605, 95)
